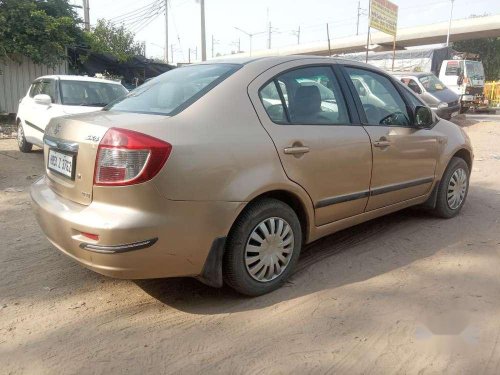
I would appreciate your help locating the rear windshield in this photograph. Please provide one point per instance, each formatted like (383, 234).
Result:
(91, 94)
(173, 91)
(431, 83)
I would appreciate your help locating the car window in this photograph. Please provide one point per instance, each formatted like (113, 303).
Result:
(35, 89)
(312, 97)
(382, 103)
(412, 84)
(48, 87)
(90, 93)
(453, 67)
(271, 100)
(431, 83)
(174, 90)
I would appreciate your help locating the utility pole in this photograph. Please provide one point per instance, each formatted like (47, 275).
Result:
(369, 24)
(297, 34)
(189, 55)
(269, 32)
(203, 39)
(214, 42)
(359, 13)
(86, 15)
(449, 25)
(166, 31)
(328, 37)
(250, 36)
(172, 52)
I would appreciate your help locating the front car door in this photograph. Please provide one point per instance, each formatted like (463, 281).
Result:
(321, 148)
(38, 115)
(404, 156)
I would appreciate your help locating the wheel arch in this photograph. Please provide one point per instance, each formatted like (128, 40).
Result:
(465, 155)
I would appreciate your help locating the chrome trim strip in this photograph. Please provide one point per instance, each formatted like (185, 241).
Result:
(112, 249)
(60, 144)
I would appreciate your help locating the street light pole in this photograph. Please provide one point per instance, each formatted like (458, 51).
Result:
(203, 39)
(166, 32)
(449, 25)
(250, 36)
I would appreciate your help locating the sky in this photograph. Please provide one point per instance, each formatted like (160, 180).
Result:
(254, 16)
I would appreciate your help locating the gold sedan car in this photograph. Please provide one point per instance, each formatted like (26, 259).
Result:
(223, 171)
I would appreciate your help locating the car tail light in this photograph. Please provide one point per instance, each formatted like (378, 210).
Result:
(126, 157)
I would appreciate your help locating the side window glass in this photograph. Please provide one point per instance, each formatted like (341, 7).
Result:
(414, 86)
(48, 88)
(382, 103)
(313, 97)
(35, 89)
(271, 100)
(452, 68)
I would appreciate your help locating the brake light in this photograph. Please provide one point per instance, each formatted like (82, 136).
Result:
(126, 157)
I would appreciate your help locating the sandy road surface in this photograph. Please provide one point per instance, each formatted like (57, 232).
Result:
(407, 293)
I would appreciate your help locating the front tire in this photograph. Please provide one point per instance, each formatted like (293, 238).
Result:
(22, 143)
(453, 189)
(262, 248)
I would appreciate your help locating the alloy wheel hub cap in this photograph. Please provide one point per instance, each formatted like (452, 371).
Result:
(457, 188)
(269, 249)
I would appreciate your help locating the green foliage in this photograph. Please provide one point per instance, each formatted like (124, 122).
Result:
(117, 41)
(38, 29)
(489, 51)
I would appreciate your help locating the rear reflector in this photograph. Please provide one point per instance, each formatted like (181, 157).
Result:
(92, 236)
(126, 157)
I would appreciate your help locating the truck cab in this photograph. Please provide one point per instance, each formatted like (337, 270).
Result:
(466, 78)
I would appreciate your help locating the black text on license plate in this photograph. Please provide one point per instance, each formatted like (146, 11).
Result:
(62, 163)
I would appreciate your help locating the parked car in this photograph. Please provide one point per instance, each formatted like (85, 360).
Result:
(445, 102)
(203, 173)
(60, 95)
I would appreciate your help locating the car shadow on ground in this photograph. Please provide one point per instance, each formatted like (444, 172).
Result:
(352, 255)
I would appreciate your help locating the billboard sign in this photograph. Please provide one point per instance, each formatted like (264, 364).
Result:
(384, 16)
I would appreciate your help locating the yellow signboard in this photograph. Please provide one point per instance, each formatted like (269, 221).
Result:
(384, 16)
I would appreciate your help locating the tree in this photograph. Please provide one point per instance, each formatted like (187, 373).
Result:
(40, 30)
(118, 41)
(488, 49)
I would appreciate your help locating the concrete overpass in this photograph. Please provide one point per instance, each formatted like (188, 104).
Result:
(462, 29)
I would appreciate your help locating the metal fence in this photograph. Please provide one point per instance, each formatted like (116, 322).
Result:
(16, 77)
(492, 93)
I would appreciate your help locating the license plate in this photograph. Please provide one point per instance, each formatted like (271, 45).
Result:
(454, 114)
(62, 163)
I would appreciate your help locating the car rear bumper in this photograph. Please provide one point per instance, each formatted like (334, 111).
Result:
(172, 240)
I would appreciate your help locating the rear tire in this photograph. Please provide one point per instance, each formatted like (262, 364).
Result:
(262, 248)
(453, 189)
(22, 143)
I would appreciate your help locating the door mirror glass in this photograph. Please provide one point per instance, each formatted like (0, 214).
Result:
(42, 99)
(423, 117)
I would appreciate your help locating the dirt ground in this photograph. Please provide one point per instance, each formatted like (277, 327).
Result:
(407, 293)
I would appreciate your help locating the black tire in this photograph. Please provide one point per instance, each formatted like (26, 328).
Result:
(443, 208)
(235, 270)
(22, 143)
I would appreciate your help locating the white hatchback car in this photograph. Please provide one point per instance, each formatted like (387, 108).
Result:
(60, 95)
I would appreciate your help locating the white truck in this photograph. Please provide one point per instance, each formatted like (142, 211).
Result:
(461, 72)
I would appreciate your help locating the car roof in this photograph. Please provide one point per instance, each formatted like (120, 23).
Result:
(412, 74)
(69, 77)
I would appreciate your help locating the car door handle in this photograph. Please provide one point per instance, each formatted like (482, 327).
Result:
(382, 143)
(296, 150)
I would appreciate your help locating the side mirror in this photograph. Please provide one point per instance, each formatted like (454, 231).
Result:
(423, 117)
(42, 99)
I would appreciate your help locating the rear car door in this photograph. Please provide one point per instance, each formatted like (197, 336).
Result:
(320, 143)
(404, 156)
